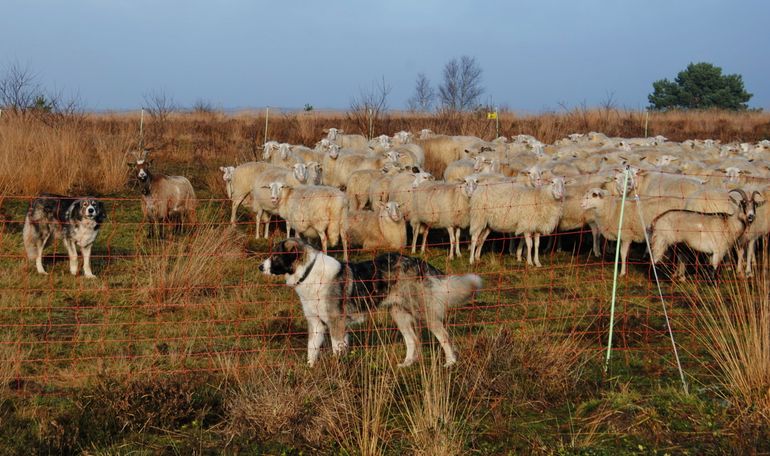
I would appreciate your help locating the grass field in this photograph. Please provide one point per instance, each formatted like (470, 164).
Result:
(180, 346)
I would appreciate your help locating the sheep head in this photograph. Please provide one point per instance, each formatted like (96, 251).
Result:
(594, 198)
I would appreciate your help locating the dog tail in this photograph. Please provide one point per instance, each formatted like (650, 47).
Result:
(29, 235)
(456, 291)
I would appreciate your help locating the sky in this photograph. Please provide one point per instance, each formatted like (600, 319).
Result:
(536, 55)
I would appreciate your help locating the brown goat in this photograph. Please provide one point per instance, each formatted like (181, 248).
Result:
(165, 199)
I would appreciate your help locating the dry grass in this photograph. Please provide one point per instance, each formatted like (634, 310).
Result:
(733, 327)
(177, 271)
(60, 158)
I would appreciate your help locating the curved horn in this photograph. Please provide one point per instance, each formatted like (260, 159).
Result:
(740, 192)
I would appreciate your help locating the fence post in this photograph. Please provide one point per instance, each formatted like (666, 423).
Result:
(141, 130)
(615, 273)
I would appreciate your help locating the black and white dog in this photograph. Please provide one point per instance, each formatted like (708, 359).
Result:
(75, 221)
(334, 294)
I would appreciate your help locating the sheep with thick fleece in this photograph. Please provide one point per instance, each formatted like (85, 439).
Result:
(346, 165)
(574, 217)
(316, 211)
(441, 205)
(508, 207)
(337, 136)
(714, 233)
(606, 214)
(261, 204)
(383, 228)
(458, 170)
(380, 186)
(401, 187)
(441, 150)
(357, 187)
(241, 185)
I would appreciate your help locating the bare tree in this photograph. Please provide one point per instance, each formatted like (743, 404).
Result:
(19, 88)
(461, 87)
(369, 106)
(424, 95)
(159, 105)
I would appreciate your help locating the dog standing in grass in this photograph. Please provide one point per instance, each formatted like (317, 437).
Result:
(76, 221)
(334, 294)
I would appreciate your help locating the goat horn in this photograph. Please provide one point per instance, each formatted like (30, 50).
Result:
(740, 192)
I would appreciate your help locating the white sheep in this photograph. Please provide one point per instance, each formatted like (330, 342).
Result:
(260, 202)
(313, 211)
(346, 141)
(508, 207)
(357, 187)
(441, 205)
(382, 228)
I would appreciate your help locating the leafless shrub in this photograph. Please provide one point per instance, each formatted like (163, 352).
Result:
(19, 88)
(369, 107)
(424, 95)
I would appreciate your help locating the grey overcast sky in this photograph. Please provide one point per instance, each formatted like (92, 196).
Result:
(536, 54)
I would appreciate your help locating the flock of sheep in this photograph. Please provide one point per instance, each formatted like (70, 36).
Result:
(364, 193)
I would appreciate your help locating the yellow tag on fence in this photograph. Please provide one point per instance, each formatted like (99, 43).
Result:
(491, 115)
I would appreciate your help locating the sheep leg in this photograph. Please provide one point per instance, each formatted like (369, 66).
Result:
(681, 268)
(472, 247)
(512, 247)
(624, 247)
(324, 241)
(405, 322)
(316, 332)
(596, 240)
(415, 234)
(519, 249)
(528, 240)
(424, 239)
(537, 250)
(457, 243)
(257, 221)
(740, 253)
(451, 232)
(484, 235)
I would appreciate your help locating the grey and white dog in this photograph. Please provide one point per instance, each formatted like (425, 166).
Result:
(334, 294)
(76, 221)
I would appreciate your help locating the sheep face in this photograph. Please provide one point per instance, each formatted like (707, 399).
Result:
(276, 191)
(268, 149)
(314, 172)
(334, 151)
(284, 149)
(594, 198)
(332, 134)
(665, 160)
(470, 185)
(557, 188)
(300, 172)
(421, 177)
(402, 137)
(426, 133)
(394, 211)
(227, 172)
(535, 176)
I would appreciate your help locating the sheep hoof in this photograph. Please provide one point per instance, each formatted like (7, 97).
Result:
(407, 362)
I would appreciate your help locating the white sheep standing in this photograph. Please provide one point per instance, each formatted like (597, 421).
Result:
(441, 205)
(509, 207)
(313, 211)
(261, 203)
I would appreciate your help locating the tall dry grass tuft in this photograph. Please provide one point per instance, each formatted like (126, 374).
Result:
(64, 157)
(358, 416)
(441, 406)
(189, 266)
(733, 324)
(11, 357)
